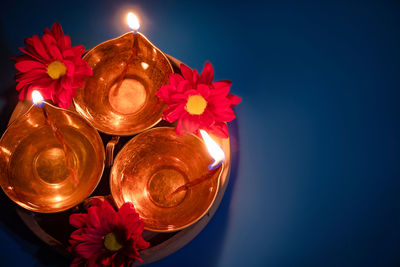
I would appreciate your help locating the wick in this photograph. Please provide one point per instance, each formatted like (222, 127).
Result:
(130, 60)
(66, 148)
(195, 182)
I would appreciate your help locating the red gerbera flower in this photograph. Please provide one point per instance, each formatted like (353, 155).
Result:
(51, 66)
(106, 237)
(198, 103)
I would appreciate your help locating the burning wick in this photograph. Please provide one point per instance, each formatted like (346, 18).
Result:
(214, 149)
(38, 101)
(216, 153)
(133, 23)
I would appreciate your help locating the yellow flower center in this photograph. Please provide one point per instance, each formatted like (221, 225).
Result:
(196, 104)
(111, 242)
(56, 69)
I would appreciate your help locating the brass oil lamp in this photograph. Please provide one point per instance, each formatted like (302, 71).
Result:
(51, 159)
(119, 99)
(167, 177)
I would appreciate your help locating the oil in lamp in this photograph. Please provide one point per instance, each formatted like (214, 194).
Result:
(168, 177)
(119, 99)
(51, 159)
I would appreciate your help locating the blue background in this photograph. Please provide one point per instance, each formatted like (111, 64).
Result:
(317, 180)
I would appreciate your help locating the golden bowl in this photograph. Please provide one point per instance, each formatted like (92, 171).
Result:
(154, 164)
(132, 107)
(33, 169)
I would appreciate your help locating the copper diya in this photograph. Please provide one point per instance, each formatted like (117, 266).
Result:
(154, 164)
(119, 98)
(33, 164)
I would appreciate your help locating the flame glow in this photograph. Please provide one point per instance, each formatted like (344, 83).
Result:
(37, 98)
(133, 21)
(214, 149)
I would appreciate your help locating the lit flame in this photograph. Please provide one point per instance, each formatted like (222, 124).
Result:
(37, 98)
(214, 149)
(133, 21)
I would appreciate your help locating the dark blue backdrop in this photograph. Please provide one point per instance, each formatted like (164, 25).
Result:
(318, 175)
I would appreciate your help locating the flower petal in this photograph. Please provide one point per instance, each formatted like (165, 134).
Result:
(178, 98)
(66, 42)
(33, 55)
(234, 99)
(23, 58)
(46, 86)
(133, 225)
(83, 69)
(163, 93)
(195, 78)
(93, 216)
(77, 236)
(207, 75)
(57, 31)
(173, 113)
(39, 47)
(78, 220)
(20, 86)
(141, 243)
(78, 50)
(179, 126)
(221, 88)
(187, 73)
(222, 113)
(190, 123)
(206, 119)
(183, 86)
(48, 40)
(219, 129)
(94, 260)
(191, 92)
(28, 65)
(204, 90)
(108, 217)
(31, 76)
(70, 67)
(54, 52)
(126, 209)
(175, 79)
(96, 202)
(87, 249)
